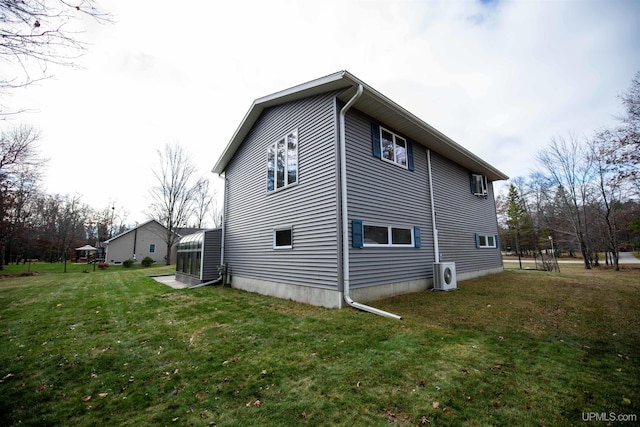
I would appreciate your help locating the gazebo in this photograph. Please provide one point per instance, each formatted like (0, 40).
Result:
(87, 249)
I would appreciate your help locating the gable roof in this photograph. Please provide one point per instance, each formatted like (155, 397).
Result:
(372, 103)
(135, 228)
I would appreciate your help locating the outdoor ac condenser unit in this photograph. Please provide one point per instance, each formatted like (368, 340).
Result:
(444, 276)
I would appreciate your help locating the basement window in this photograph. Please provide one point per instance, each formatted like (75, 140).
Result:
(283, 238)
(369, 235)
(375, 235)
(486, 241)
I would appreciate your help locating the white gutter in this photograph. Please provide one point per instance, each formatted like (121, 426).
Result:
(436, 248)
(345, 216)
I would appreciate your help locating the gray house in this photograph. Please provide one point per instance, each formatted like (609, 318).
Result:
(335, 194)
(145, 240)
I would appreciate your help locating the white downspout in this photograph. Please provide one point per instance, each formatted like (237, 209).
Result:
(224, 228)
(436, 248)
(224, 217)
(345, 216)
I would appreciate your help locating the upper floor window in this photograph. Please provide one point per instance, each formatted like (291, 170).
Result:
(391, 147)
(479, 185)
(282, 162)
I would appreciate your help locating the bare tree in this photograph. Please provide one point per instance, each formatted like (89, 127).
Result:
(72, 217)
(610, 189)
(203, 201)
(20, 167)
(175, 194)
(627, 135)
(217, 211)
(569, 169)
(41, 32)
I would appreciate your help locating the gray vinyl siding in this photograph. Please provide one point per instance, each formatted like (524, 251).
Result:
(460, 215)
(211, 254)
(385, 194)
(309, 206)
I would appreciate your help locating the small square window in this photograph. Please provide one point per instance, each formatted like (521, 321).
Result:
(486, 241)
(283, 238)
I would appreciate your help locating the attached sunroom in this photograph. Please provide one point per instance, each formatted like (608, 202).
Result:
(198, 257)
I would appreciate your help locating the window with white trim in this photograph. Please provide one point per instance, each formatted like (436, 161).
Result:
(282, 162)
(283, 238)
(486, 241)
(479, 185)
(152, 248)
(393, 147)
(370, 235)
(375, 235)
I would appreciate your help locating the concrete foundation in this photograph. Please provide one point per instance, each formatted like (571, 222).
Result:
(315, 296)
(331, 298)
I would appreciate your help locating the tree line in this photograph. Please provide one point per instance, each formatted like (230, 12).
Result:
(48, 227)
(35, 34)
(584, 194)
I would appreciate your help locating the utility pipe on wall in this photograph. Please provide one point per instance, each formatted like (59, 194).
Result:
(436, 248)
(345, 214)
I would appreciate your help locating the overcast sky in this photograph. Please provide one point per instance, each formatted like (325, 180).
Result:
(499, 77)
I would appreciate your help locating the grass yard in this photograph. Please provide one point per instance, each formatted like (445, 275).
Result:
(115, 347)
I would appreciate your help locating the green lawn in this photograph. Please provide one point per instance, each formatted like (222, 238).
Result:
(115, 347)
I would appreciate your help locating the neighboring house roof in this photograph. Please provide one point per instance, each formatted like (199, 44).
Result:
(133, 229)
(372, 103)
(188, 230)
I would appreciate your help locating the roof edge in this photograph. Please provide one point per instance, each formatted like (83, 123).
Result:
(338, 80)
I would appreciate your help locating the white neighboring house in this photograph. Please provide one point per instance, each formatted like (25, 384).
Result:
(147, 239)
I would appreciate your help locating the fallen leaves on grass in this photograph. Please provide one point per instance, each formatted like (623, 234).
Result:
(86, 398)
(391, 415)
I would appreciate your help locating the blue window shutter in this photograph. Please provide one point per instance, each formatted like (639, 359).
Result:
(416, 237)
(477, 241)
(357, 237)
(375, 140)
(410, 164)
(497, 241)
